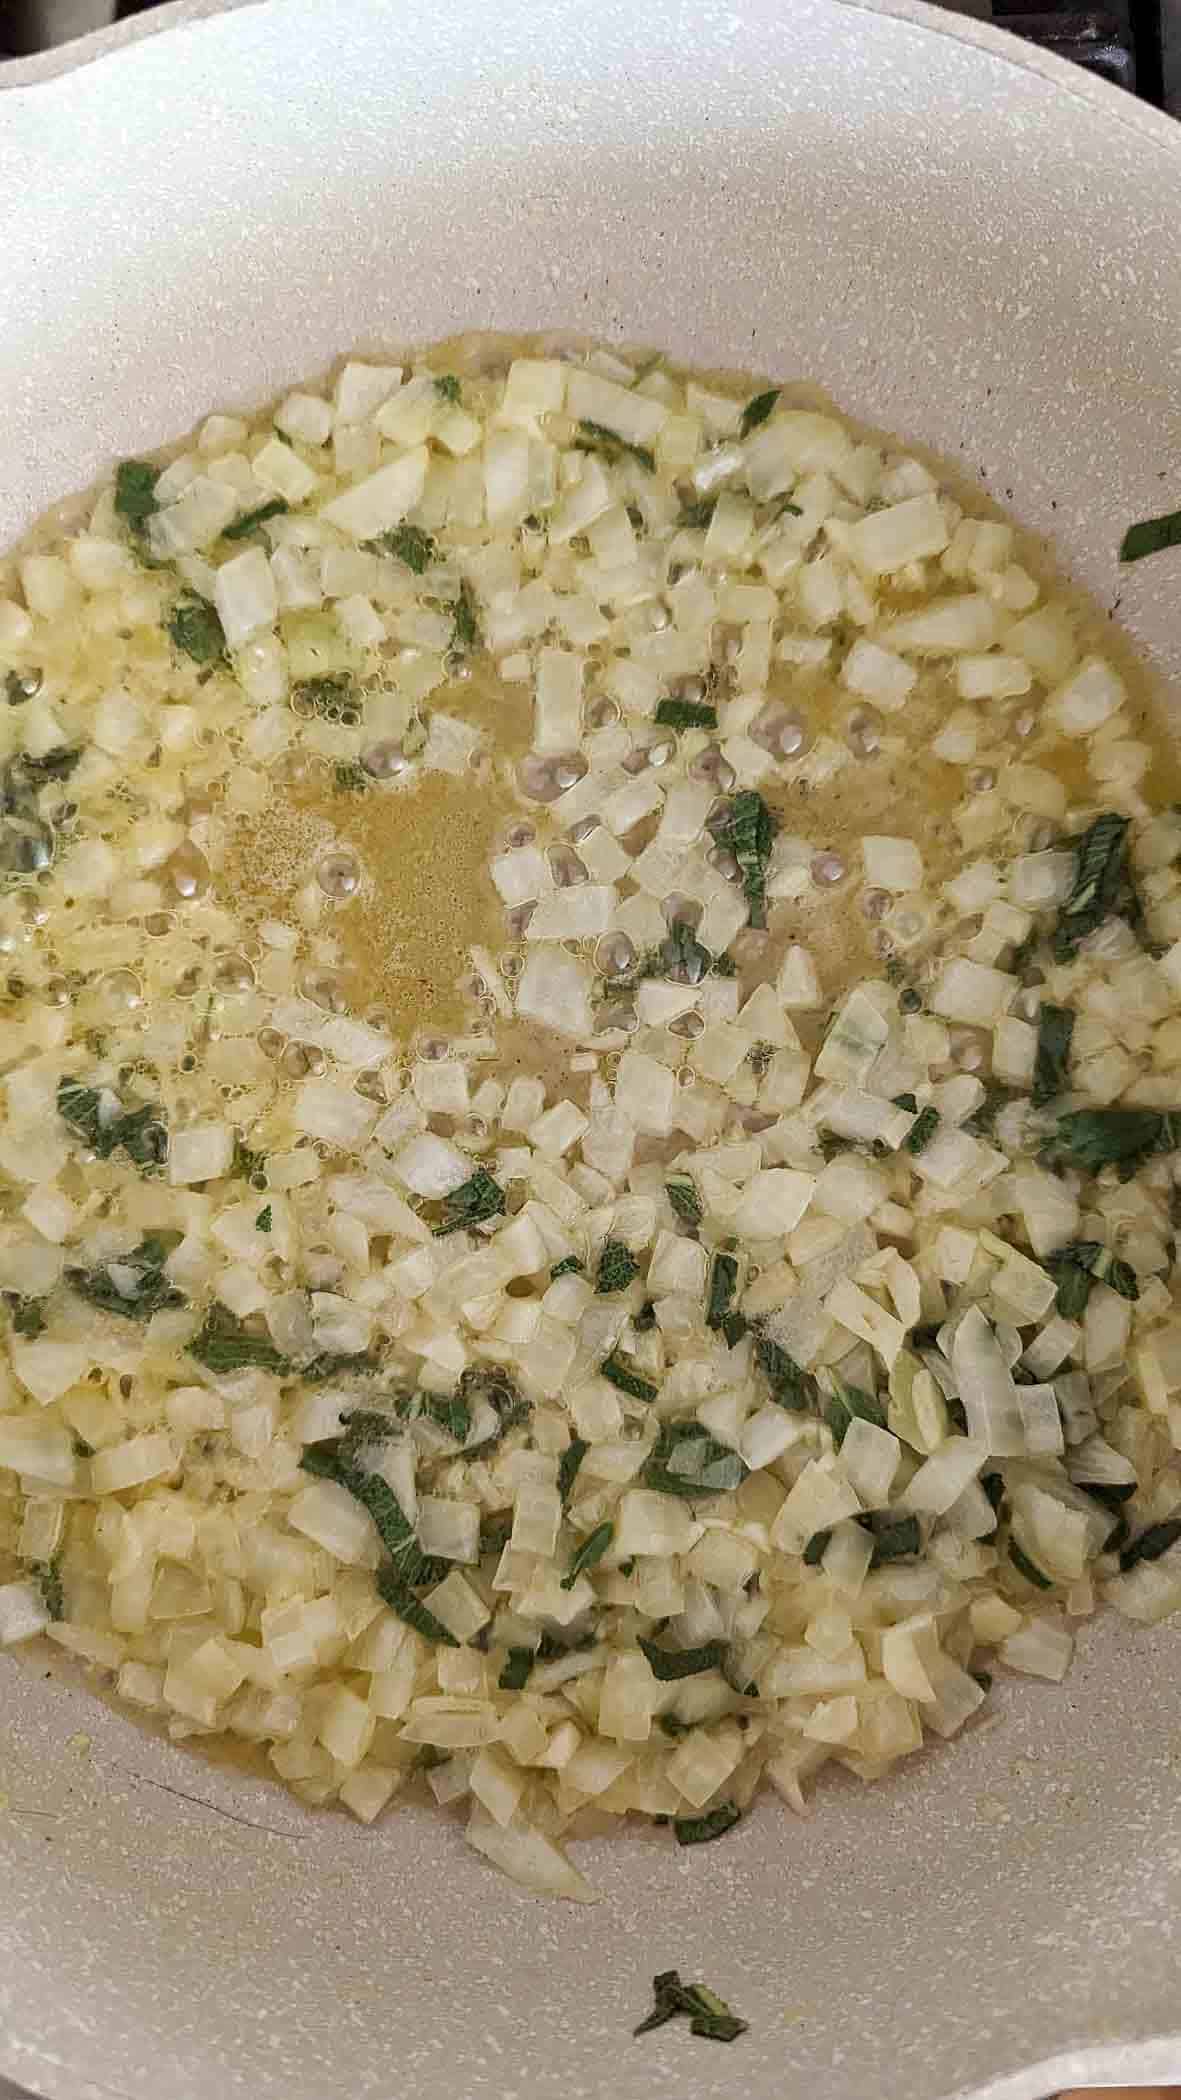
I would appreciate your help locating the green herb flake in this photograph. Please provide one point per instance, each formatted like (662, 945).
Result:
(329, 1462)
(365, 1429)
(568, 1466)
(994, 1488)
(1085, 1262)
(350, 778)
(448, 1411)
(1151, 536)
(1025, 1566)
(735, 1327)
(143, 1287)
(588, 1554)
(248, 1165)
(848, 1402)
(709, 2016)
(1055, 1029)
(595, 437)
(688, 1462)
(670, 1665)
(516, 1672)
(674, 1728)
(791, 1388)
(748, 832)
(701, 1830)
(627, 1379)
(1072, 1286)
(28, 1318)
(686, 714)
(570, 1265)
(757, 410)
(408, 544)
(1123, 1137)
(397, 1593)
(225, 1344)
(48, 1576)
(1151, 1544)
(465, 634)
(495, 1533)
(196, 630)
(489, 1382)
(1098, 875)
(680, 956)
(139, 1132)
(922, 1130)
(135, 493)
(264, 1220)
(472, 1203)
(247, 525)
(894, 1538)
(617, 1268)
(723, 1282)
(448, 385)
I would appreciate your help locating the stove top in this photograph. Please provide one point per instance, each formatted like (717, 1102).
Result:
(1129, 42)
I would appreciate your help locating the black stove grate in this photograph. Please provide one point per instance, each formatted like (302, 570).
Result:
(1121, 41)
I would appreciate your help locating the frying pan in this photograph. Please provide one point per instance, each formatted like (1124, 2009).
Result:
(966, 242)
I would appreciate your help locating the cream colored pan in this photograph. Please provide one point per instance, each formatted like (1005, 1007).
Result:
(964, 241)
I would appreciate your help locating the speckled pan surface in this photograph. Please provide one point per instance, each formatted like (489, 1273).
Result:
(964, 242)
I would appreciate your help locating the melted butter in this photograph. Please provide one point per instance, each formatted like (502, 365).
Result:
(425, 897)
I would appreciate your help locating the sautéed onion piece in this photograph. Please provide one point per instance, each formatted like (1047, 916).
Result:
(591, 1091)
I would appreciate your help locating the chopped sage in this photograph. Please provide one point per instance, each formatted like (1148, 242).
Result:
(757, 410)
(709, 2016)
(624, 1375)
(688, 1462)
(408, 544)
(686, 714)
(1098, 875)
(139, 1132)
(723, 1282)
(588, 1554)
(922, 1130)
(1151, 1544)
(397, 1593)
(669, 1665)
(142, 1288)
(1151, 536)
(1025, 1566)
(701, 1830)
(1055, 1028)
(1122, 1137)
(748, 831)
(847, 1402)
(247, 525)
(686, 1200)
(617, 1268)
(196, 630)
(595, 437)
(472, 1203)
(568, 1466)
